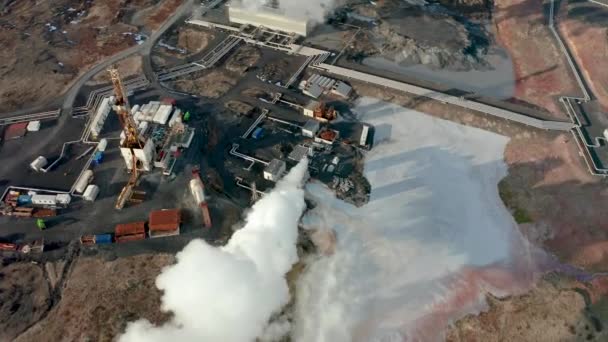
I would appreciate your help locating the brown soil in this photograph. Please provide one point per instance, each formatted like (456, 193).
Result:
(45, 46)
(541, 71)
(131, 66)
(244, 58)
(212, 85)
(161, 13)
(548, 187)
(100, 297)
(193, 40)
(24, 298)
(588, 40)
(556, 310)
(239, 107)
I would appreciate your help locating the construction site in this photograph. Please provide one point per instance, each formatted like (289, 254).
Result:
(201, 107)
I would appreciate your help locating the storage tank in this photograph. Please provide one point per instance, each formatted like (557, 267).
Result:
(103, 144)
(91, 192)
(39, 163)
(196, 188)
(606, 133)
(83, 181)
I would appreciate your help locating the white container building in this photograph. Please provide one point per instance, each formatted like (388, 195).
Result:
(91, 193)
(100, 116)
(63, 199)
(163, 114)
(44, 200)
(39, 163)
(83, 181)
(33, 126)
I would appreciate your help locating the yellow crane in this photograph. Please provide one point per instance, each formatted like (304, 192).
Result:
(132, 139)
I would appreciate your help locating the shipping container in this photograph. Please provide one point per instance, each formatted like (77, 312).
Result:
(5, 246)
(132, 228)
(24, 199)
(63, 199)
(91, 193)
(39, 213)
(168, 219)
(87, 240)
(258, 133)
(134, 237)
(103, 239)
(33, 126)
(15, 131)
(44, 200)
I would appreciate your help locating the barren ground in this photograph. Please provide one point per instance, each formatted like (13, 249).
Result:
(193, 40)
(585, 28)
(244, 58)
(24, 298)
(99, 298)
(556, 310)
(541, 71)
(212, 85)
(131, 66)
(45, 45)
(548, 188)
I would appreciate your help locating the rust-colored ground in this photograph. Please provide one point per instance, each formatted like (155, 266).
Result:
(541, 71)
(558, 309)
(584, 26)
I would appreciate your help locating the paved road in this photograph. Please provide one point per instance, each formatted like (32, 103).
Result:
(144, 49)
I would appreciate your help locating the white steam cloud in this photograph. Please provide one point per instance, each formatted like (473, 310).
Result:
(314, 10)
(229, 294)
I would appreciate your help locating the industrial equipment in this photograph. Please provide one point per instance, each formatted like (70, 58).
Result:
(198, 192)
(40, 224)
(132, 141)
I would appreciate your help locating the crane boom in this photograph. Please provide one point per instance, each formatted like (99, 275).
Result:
(132, 139)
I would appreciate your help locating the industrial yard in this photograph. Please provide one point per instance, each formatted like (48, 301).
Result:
(185, 115)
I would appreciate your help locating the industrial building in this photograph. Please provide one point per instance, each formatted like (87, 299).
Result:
(268, 17)
(274, 170)
(310, 129)
(300, 152)
(317, 85)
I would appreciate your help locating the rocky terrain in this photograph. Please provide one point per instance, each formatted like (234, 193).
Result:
(450, 41)
(47, 44)
(558, 309)
(93, 301)
(212, 85)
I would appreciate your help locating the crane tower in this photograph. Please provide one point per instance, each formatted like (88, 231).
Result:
(137, 153)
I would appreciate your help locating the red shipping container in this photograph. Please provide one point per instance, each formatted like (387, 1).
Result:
(125, 229)
(15, 131)
(165, 220)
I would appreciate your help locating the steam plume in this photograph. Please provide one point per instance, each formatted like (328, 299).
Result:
(314, 10)
(228, 294)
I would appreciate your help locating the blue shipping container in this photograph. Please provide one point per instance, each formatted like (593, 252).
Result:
(257, 133)
(98, 157)
(103, 238)
(24, 199)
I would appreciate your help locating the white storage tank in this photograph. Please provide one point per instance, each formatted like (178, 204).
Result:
(83, 181)
(63, 199)
(44, 200)
(90, 194)
(606, 133)
(39, 163)
(103, 144)
(196, 188)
